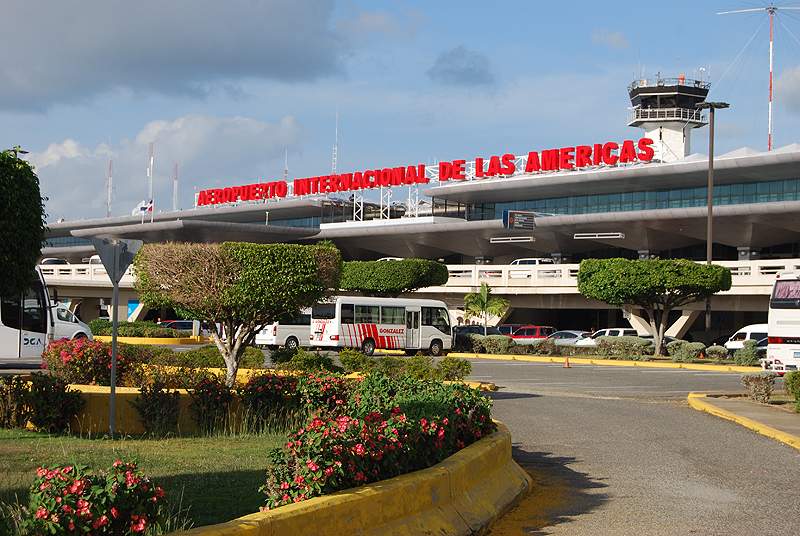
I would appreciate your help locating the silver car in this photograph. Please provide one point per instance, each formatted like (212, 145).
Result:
(568, 336)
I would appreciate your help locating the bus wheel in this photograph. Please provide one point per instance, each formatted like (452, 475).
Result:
(291, 343)
(436, 348)
(368, 347)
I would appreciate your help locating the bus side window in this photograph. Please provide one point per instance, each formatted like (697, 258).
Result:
(368, 314)
(9, 312)
(348, 314)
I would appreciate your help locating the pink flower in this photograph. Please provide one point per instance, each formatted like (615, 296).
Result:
(138, 527)
(114, 512)
(311, 465)
(42, 513)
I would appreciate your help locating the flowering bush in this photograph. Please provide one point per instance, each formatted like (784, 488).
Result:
(88, 362)
(327, 392)
(158, 408)
(211, 400)
(263, 395)
(393, 426)
(73, 500)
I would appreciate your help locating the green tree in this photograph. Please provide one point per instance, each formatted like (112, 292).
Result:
(483, 304)
(22, 223)
(392, 278)
(657, 286)
(240, 286)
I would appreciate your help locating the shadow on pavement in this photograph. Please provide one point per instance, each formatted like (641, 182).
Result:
(558, 494)
(509, 395)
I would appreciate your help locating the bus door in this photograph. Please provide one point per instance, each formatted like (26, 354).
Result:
(24, 323)
(412, 328)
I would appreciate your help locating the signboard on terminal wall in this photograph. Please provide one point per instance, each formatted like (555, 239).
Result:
(519, 220)
(563, 159)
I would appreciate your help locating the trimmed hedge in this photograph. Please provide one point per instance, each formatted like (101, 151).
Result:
(392, 278)
(760, 385)
(100, 326)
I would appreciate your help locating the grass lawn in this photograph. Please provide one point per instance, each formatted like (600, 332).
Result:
(218, 476)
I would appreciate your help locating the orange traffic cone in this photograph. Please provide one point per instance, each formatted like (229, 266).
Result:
(566, 362)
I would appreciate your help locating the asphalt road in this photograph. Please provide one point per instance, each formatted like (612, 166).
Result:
(617, 450)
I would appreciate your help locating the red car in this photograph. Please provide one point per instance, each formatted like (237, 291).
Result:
(532, 333)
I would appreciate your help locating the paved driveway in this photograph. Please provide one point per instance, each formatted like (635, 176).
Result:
(618, 451)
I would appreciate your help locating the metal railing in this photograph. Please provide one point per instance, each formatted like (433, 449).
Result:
(658, 82)
(678, 114)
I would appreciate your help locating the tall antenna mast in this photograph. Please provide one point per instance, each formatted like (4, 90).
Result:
(110, 188)
(771, 8)
(335, 142)
(150, 175)
(175, 188)
(286, 168)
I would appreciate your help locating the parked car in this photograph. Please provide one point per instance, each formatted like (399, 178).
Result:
(192, 326)
(528, 334)
(537, 260)
(477, 330)
(753, 331)
(509, 329)
(608, 332)
(51, 260)
(568, 336)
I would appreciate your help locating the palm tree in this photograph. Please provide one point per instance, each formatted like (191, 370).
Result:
(484, 305)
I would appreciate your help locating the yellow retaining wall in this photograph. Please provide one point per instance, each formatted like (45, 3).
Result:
(155, 340)
(462, 495)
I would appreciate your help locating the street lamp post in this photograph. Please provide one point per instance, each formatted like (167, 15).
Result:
(710, 222)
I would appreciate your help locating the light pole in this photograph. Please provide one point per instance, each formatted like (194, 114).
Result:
(710, 224)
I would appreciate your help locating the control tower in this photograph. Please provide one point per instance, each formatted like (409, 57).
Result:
(665, 109)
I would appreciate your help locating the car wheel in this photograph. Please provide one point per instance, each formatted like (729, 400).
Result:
(291, 343)
(368, 347)
(80, 335)
(436, 348)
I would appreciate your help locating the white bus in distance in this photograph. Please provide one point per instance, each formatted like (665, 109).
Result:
(289, 332)
(26, 322)
(386, 323)
(783, 347)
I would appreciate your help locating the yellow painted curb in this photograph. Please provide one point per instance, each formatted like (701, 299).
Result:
(464, 494)
(155, 340)
(696, 401)
(608, 362)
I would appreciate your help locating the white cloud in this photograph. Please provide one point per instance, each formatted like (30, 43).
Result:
(462, 67)
(787, 89)
(210, 151)
(614, 40)
(71, 51)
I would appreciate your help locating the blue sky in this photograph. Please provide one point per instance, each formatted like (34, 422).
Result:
(225, 89)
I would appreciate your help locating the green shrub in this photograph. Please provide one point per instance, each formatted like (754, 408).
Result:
(158, 409)
(354, 360)
(209, 357)
(13, 410)
(495, 344)
(211, 400)
(544, 347)
(760, 385)
(51, 403)
(278, 356)
(791, 384)
(310, 362)
(631, 348)
(747, 356)
(104, 327)
(464, 343)
(88, 362)
(453, 368)
(420, 366)
(390, 366)
(266, 399)
(716, 353)
(686, 352)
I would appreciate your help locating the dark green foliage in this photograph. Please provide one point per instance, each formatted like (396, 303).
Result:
(22, 223)
(630, 348)
(310, 362)
(279, 356)
(390, 366)
(209, 357)
(656, 285)
(452, 368)
(420, 366)
(747, 356)
(392, 278)
(158, 409)
(13, 410)
(353, 360)
(716, 353)
(100, 326)
(544, 347)
(760, 385)
(686, 352)
(51, 403)
(791, 383)
(480, 344)
(211, 400)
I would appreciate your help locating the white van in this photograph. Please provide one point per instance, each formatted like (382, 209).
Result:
(293, 332)
(517, 262)
(67, 326)
(753, 331)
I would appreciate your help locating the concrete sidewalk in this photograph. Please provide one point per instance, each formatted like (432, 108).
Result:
(772, 421)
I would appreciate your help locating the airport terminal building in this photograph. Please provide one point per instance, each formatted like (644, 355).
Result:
(638, 198)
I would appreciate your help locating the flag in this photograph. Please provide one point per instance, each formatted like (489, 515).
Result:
(149, 206)
(141, 207)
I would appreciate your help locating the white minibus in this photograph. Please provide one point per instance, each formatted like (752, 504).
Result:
(783, 348)
(289, 332)
(26, 322)
(386, 323)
